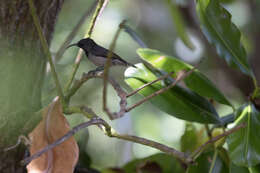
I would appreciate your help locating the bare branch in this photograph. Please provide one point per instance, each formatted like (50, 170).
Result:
(111, 133)
(106, 73)
(159, 146)
(94, 121)
(99, 74)
(150, 83)
(180, 77)
(21, 139)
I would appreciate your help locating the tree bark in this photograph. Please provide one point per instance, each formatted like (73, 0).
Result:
(22, 69)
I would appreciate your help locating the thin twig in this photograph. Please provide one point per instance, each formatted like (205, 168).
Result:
(195, 154)
(45, 48)
(21, 139)
(159, 146)
(100, 7)
(72, 34)
(111, 133)
(134, 36)
(97, 74)
(106, 70)
(150, 83)
(94, 121)
(180, 77)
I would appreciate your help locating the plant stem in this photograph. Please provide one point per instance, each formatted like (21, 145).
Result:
(98, 11)
(45, 48)
(213, 161)
(106, 68)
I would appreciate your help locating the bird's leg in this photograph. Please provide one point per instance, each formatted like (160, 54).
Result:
(98, 69)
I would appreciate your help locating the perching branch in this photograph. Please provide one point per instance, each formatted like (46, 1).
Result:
(74, 31)
(97, 74)
(100, 7)
(45, 48)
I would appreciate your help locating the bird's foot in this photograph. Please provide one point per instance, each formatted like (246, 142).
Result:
(99, 69)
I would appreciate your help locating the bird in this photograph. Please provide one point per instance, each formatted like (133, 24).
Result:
(98, 54)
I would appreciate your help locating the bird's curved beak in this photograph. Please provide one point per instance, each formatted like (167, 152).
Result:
(72, 45)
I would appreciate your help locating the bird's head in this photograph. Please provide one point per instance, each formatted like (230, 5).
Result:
(86, 44)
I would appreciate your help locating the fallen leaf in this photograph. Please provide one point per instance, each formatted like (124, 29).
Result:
(62, 158)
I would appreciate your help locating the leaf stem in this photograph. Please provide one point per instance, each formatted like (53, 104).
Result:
(213, 161)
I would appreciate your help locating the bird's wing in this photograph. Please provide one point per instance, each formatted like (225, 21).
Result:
(100, 51)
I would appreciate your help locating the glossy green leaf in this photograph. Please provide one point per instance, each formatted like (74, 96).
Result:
(179, 23)
(244, 144)
(205, 161)
(161, 162)
(177, 101)
(196, 81)
(223, 34)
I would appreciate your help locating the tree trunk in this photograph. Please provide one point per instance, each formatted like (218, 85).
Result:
(22, 69)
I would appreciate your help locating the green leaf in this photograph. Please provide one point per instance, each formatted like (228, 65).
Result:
(244, 144)
(255, 169)
(204, 161)
(161, 162)
(179, 23)
(189, 136)
(177, 101)
(237, 169)
(223, 34)
(196, 81)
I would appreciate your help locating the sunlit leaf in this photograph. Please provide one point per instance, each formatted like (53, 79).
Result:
(244, 144)
(223, 34)
(178, 101)
(196, 81)
(162, 163)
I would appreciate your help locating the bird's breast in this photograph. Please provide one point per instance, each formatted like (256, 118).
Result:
(97, 60)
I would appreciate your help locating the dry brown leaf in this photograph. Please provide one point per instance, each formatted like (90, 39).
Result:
(62, 158)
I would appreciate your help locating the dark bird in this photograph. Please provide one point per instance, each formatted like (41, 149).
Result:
(98, 54)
